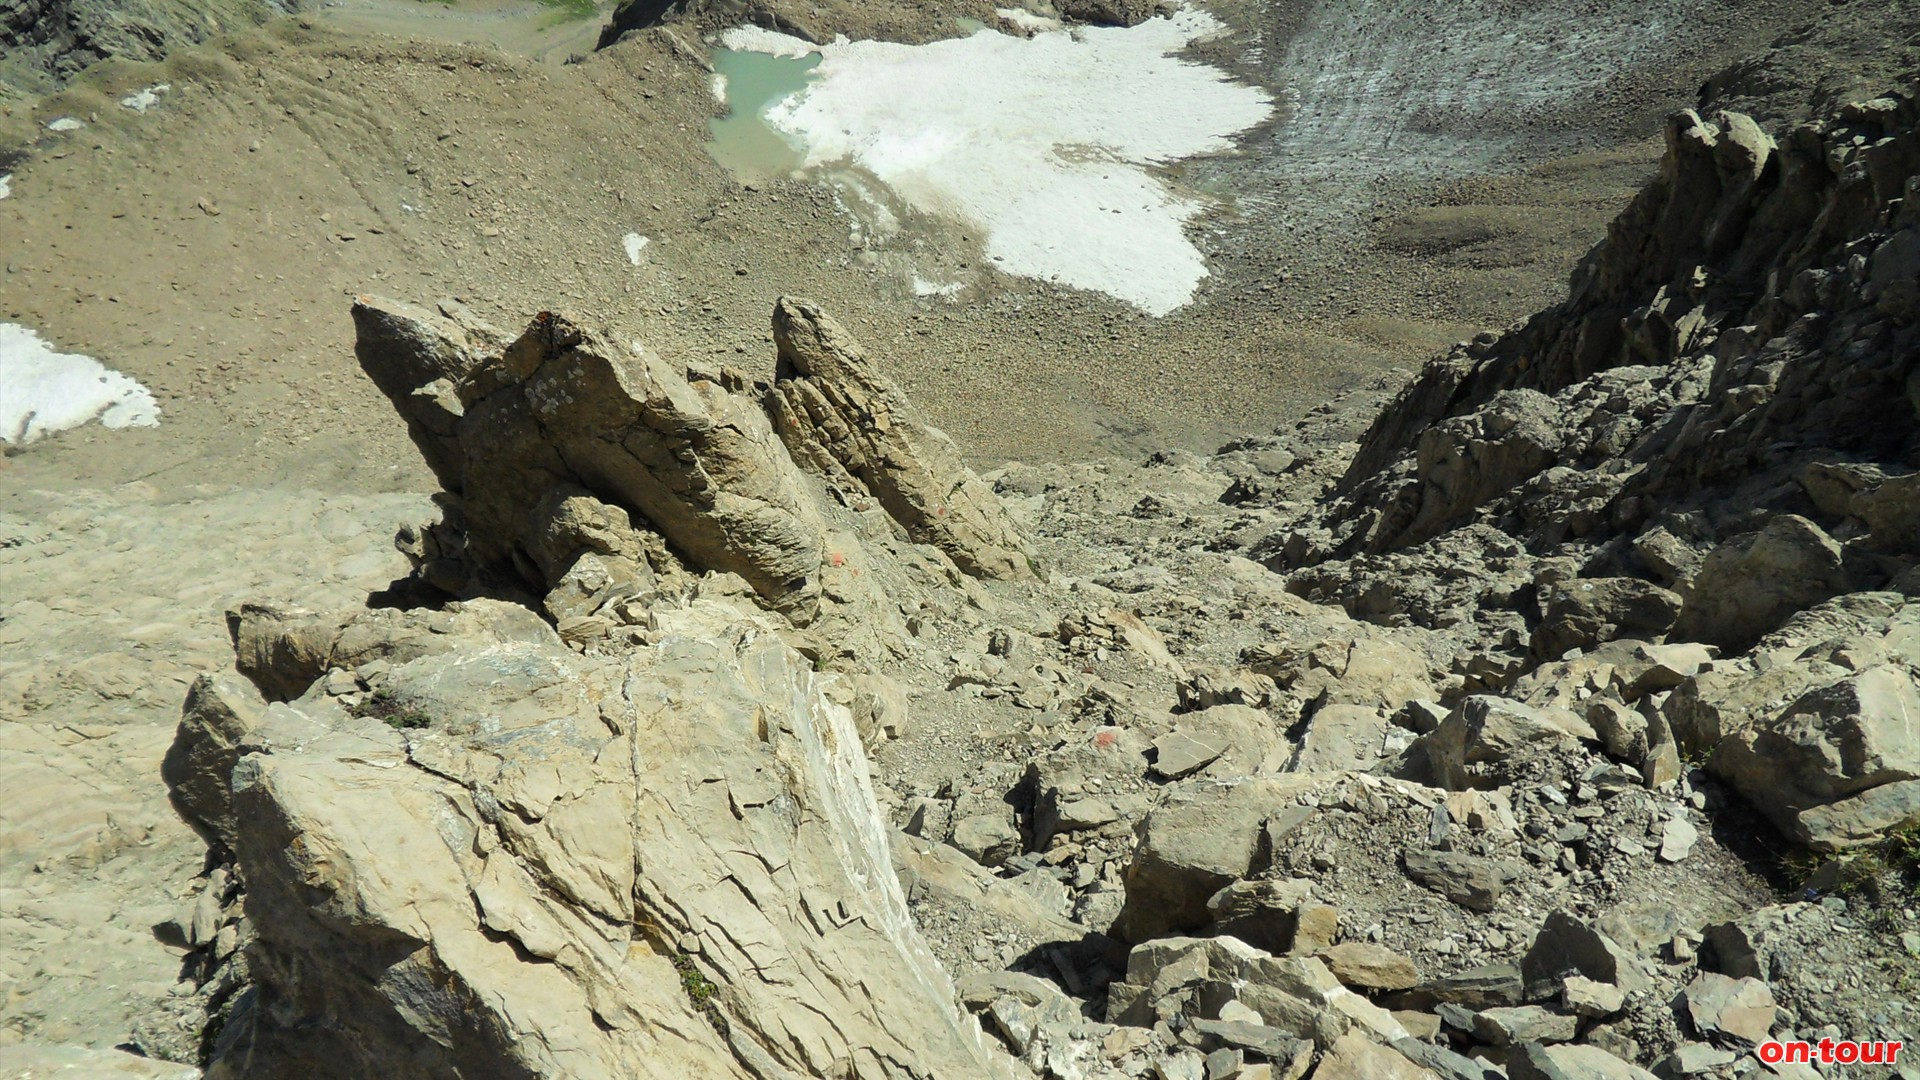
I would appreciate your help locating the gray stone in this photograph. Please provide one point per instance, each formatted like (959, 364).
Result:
(1537, 1061)
(1487, 742)
(1480, 987)
(1342, 738)
(1268, 1042)
(1204, 837)
(1441, 1061)
(1752, 584)
(1677, 838)
(1178, 754)
(1839, 766)
(1739, 1009)
(221, 711)
(1471, 881)
(1225, 1063)
(1567, 946)
(1354, 1057)
(1693, 1059)
(1517, 1024)
(1370, 967)
(1262, 913)
(989, 839)
(1595, 1000)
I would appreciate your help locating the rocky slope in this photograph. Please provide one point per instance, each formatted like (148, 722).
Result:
(43, 43)
(1549, 715)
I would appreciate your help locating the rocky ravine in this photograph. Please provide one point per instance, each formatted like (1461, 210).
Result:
(726, 717)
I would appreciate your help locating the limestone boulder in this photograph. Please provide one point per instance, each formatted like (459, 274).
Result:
(658, 865)
(1488, 741)
(1204, 837)
(1840, 766)
(1752, 584)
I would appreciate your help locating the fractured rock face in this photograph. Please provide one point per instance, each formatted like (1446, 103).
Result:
(844, 420)
(659, 866)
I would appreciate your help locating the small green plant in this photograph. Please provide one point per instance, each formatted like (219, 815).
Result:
(381, 705)
(701, 992)
(1885, 874)
(573, 9)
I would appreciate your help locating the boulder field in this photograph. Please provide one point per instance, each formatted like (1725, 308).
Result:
(1551, 713)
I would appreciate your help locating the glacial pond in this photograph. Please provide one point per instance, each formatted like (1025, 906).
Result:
(750, 83)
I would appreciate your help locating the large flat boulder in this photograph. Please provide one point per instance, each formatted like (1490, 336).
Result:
(664, 864)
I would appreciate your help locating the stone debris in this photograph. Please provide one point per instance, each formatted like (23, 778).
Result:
(734, 726)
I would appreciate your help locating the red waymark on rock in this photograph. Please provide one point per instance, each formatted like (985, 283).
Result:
(1831, 1052)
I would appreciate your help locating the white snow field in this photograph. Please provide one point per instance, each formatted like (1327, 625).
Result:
(1044, 143)
(43, 391)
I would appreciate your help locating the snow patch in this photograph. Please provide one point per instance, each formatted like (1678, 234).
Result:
(65, 123)
(6, 185)
(43, 391)
(145, 99)
(923, 287)
(635, 244)
(1042, 143)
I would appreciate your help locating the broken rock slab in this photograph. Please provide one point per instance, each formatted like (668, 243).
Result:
(1472, 881)
(1738, 1009)
(1370, 967)
(1204, 837)
(1538, 1061)
(1517, 1024)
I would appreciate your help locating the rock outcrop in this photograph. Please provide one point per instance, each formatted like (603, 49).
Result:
(851, 425)
(614, 824)
(562, 408)
(1739, 348)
